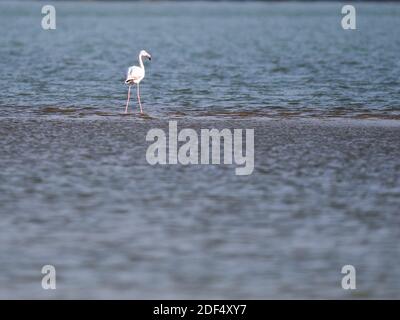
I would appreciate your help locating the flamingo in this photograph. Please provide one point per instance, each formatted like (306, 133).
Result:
(134, 76)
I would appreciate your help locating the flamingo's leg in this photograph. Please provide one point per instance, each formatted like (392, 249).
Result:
(127, 101)
(138, 97)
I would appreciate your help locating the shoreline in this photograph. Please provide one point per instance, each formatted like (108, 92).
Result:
(88, 113)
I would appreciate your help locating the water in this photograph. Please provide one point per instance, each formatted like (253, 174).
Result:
(227, 56)
(76, 191)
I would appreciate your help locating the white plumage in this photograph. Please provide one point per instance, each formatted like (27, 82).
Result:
(134, 75)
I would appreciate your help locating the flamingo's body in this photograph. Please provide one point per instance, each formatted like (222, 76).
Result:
(134, 75)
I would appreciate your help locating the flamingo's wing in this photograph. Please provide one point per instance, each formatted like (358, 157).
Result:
(134, 73)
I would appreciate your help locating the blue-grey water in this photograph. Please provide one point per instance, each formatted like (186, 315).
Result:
(206, 56)
(76, 191)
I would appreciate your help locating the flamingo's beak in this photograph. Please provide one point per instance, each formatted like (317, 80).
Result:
(150, 58)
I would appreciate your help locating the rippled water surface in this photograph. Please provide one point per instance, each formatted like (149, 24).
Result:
(76, 191)
(206, 56)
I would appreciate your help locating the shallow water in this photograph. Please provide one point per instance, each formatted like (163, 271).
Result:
(79, 195)
(76, 190)
(206, 56)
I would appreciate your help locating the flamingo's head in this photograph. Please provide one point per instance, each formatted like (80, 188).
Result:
(144, 53)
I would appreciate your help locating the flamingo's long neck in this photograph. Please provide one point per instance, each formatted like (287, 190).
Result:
(141, 61)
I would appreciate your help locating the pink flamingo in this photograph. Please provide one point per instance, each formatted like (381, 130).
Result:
(134, 76)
